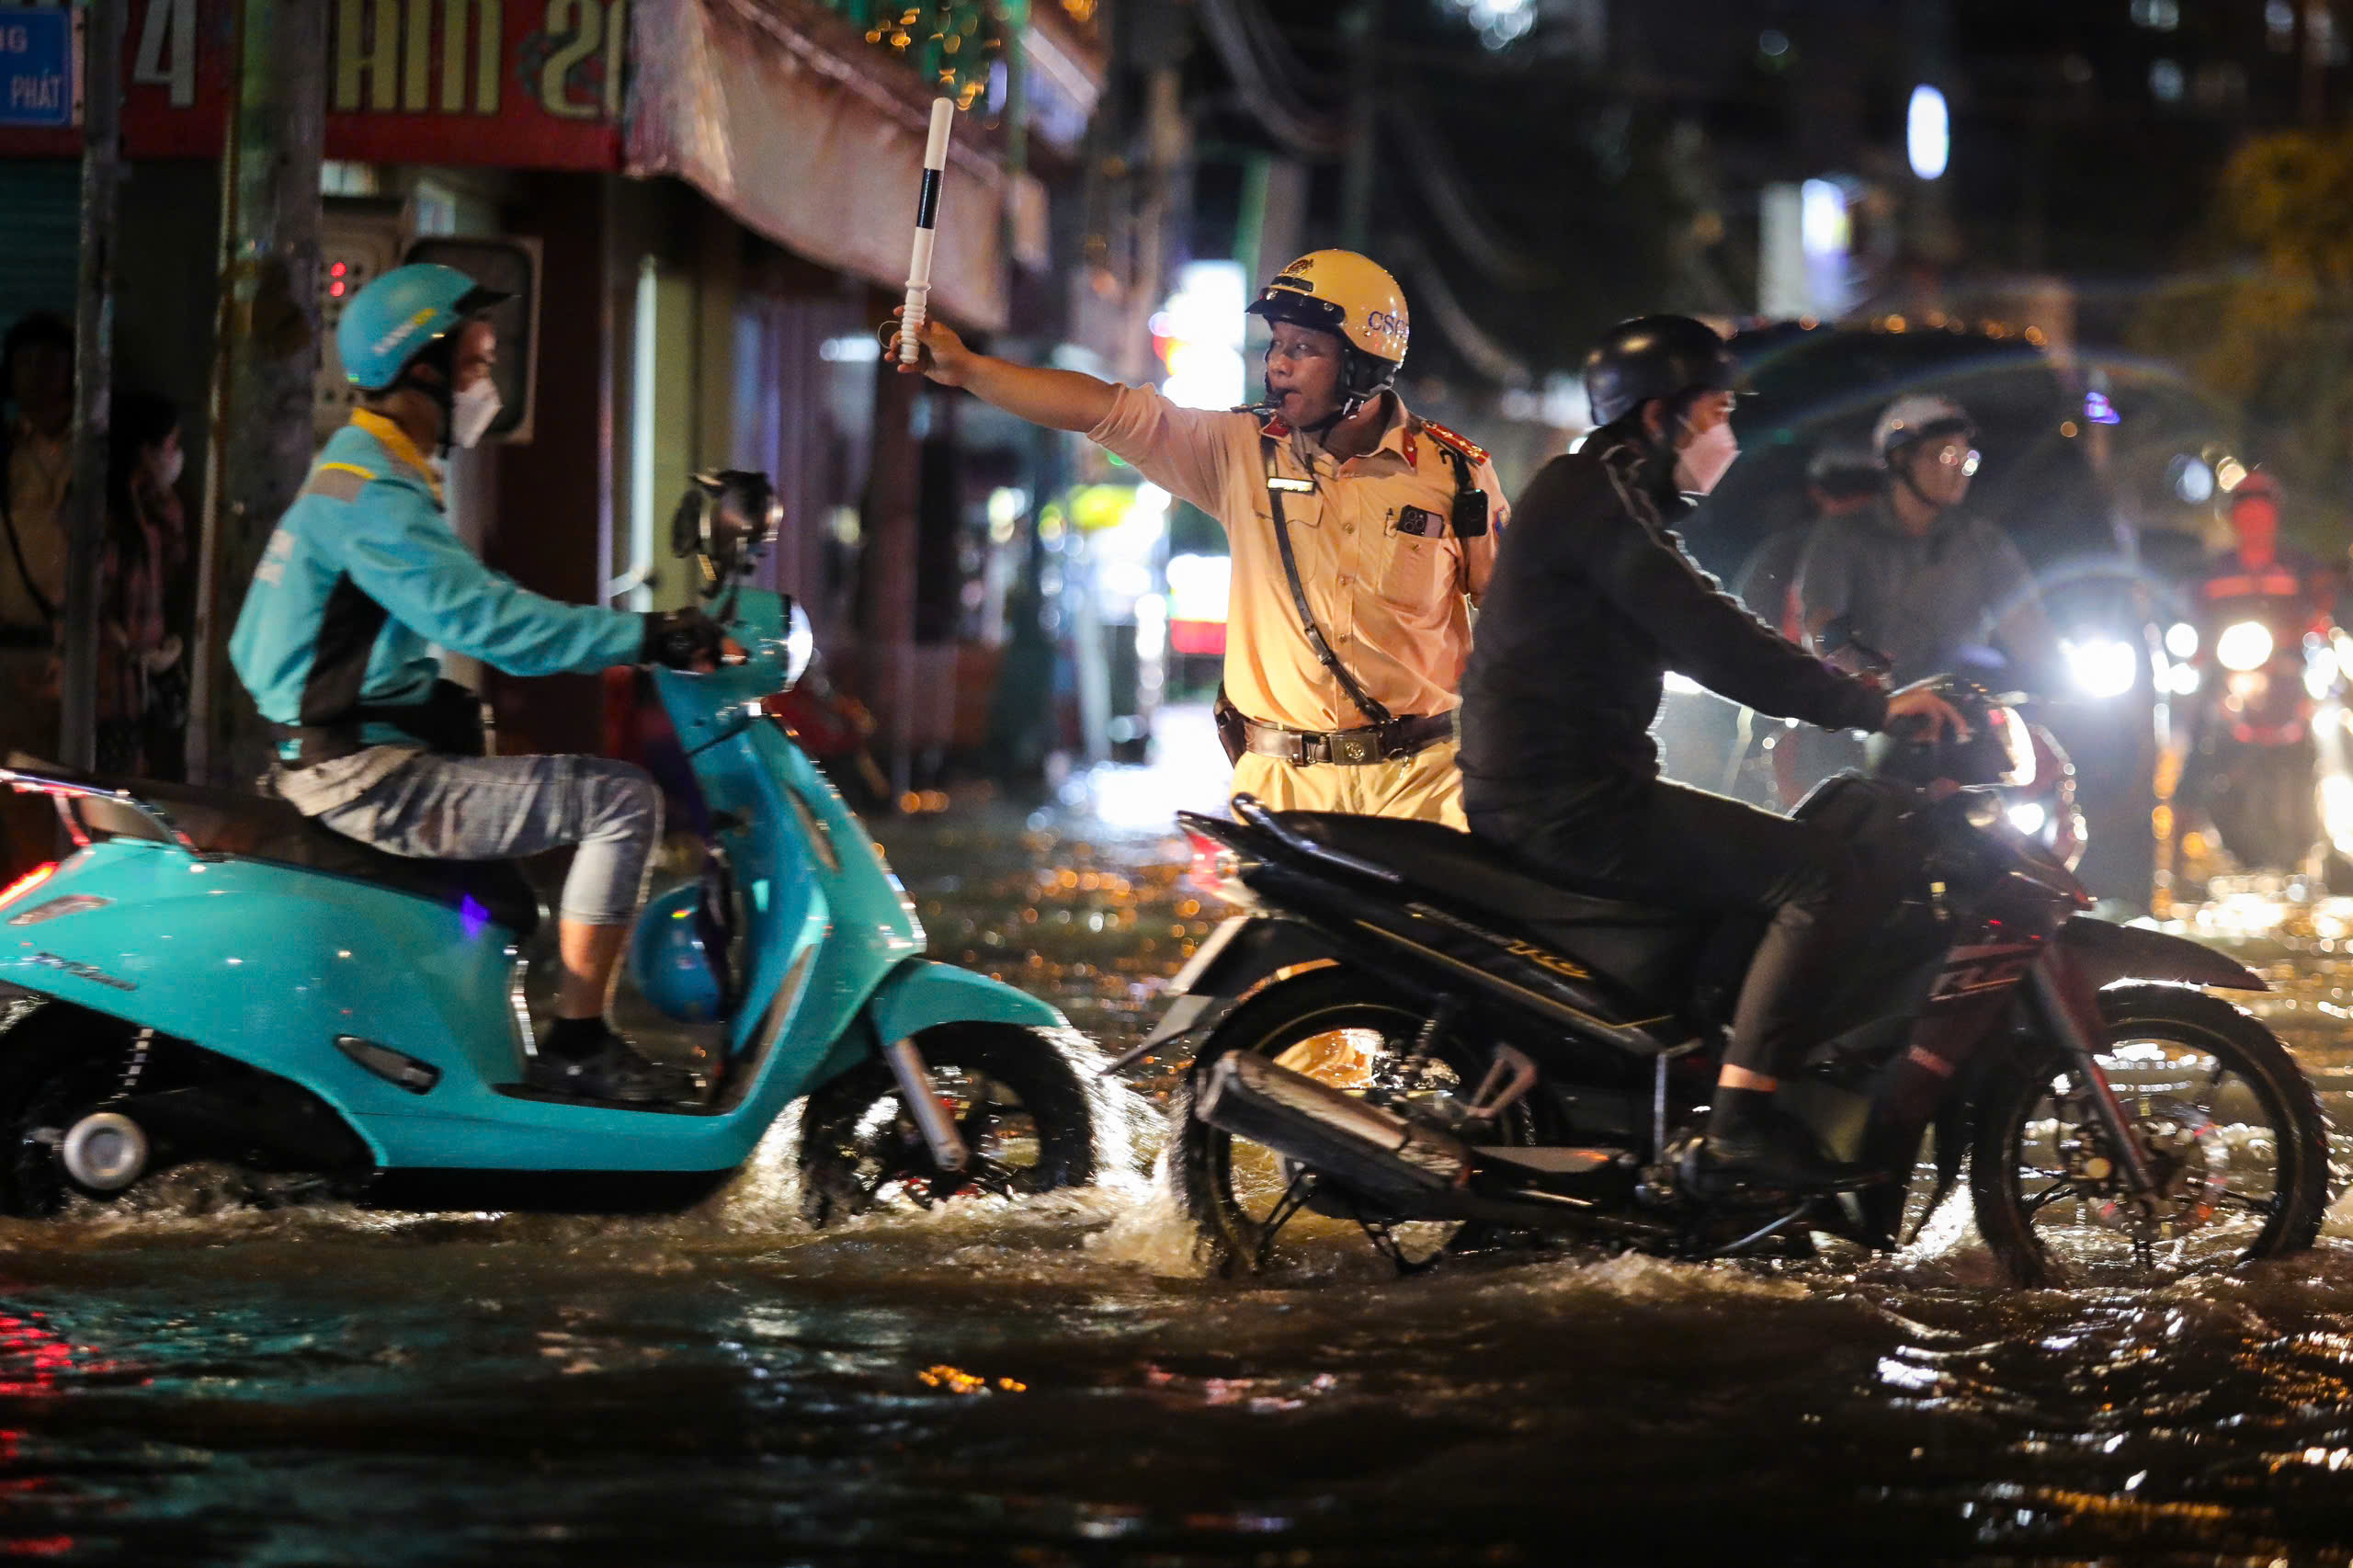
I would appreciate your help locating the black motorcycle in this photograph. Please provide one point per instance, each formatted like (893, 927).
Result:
(1410, 1033)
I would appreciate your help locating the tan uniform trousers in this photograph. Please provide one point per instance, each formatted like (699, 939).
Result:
(1426, 785)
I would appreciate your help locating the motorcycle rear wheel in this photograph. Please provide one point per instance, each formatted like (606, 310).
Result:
(1018, 1099)
(2231, 1126)
(1337, 1026)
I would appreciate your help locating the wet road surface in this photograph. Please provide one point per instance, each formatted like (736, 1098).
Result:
(195, 1378)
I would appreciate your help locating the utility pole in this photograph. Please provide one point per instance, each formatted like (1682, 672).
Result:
(2319, 33)
(92, 374)
(1362, 27)
(266, 353)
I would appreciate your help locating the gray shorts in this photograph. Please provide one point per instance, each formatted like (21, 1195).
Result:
(437, 807)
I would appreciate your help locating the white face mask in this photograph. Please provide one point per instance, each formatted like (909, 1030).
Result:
(471, 410)
(1703, 462)
(169, 474)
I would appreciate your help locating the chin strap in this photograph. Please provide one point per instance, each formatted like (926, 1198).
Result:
(1904, 478)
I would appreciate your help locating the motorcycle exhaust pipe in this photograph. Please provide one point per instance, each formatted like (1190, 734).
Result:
(1374, 1150)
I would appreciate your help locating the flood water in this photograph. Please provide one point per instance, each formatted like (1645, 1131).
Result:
(198, 1379)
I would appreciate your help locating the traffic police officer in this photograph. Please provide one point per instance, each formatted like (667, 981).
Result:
(1360, 533)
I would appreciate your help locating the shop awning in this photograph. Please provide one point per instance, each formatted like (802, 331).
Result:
(777, 112)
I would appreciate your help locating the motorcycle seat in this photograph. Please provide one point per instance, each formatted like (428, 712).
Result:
(1647, 948)
(1468, 869)
(255, 827)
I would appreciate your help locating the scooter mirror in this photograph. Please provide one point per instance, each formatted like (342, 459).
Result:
(727, 518)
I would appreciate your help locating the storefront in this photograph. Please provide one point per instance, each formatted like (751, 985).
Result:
(708, 284)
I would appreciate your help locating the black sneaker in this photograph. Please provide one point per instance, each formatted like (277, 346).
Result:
(612, 1071)
(1774, 1151)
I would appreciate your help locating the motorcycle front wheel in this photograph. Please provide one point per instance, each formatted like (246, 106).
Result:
(1019, 1101)
(1338, 1028)
(2231, 1128)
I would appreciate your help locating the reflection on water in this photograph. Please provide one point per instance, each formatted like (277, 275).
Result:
(204, 1377)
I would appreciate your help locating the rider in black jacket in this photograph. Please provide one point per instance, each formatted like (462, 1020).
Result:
(1593, 600)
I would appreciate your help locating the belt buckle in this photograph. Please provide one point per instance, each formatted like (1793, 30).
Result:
(1355, 747)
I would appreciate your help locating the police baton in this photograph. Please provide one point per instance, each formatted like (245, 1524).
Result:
(934, 165)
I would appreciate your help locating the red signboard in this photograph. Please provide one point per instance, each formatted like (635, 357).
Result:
(512, 84)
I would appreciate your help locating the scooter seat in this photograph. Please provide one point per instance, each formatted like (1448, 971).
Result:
(254, 827)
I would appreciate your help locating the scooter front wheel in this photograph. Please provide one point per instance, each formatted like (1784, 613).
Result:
(1020, 1102)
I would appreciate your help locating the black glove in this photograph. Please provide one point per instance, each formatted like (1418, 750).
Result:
(681, 639)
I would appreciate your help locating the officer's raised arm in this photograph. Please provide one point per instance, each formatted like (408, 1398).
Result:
(1063, 400)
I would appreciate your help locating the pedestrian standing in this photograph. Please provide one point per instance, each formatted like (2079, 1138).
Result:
(36, 455)
(1361, 535)
(142, 678)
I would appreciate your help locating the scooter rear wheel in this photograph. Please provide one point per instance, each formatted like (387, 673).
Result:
(1019, 1101)
(56, 1065)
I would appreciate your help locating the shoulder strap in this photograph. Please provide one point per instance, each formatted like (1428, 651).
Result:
(1276, 485)
(16, 546)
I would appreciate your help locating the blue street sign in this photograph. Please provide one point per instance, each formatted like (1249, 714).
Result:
(36, 66)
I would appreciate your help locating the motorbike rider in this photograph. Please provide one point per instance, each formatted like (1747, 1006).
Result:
(2258, 578)
(2286, 591)
(1594, 601)
(1915, 575)
(1334, 497)
(364, 577)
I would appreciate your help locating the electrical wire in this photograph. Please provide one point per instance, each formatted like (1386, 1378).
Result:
(1434, 300)
(1243, 42)
(1468, 226)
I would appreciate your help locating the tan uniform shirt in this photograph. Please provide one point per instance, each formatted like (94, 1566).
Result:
(1387, 579)
(39, 469)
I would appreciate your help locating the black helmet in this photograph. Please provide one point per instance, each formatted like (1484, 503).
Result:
(1655, 356)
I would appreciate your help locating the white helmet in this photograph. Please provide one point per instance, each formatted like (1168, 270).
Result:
(1917, 417)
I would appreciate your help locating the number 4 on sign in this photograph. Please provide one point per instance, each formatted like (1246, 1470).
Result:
(166, 54)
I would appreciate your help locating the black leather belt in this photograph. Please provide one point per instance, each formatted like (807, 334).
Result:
(1349, 748)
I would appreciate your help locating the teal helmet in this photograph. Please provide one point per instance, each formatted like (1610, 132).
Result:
(387, 324)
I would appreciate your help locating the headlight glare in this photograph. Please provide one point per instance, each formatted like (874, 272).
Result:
(2243, 645)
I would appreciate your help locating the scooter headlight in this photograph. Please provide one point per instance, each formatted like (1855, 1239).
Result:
(800, 643)
(2243, 645)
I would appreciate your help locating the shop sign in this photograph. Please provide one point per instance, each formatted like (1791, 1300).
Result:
(37, 68)
(511, 84)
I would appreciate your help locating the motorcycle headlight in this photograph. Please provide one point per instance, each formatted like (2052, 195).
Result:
(2102, 666)
(2017, 747)
(2028, 817)
(2243, 645)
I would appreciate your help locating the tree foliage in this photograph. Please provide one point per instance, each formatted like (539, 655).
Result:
(2269, 328)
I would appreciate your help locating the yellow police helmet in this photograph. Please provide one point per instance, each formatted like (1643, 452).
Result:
(1341, 291)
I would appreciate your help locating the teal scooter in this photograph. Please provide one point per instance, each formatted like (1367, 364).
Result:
(211, 976)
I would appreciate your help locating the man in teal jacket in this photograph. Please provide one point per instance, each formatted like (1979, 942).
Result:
(364, 578)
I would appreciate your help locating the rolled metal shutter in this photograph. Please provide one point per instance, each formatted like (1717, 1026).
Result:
(41, 210)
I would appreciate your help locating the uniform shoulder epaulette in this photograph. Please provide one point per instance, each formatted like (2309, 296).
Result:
(1452, 442)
